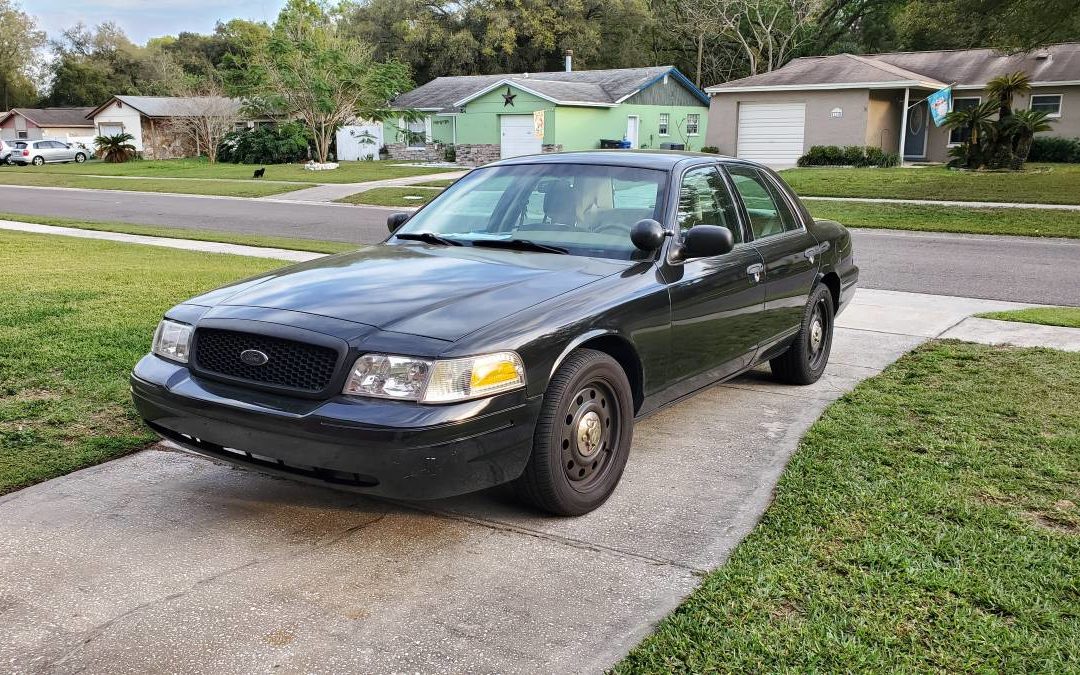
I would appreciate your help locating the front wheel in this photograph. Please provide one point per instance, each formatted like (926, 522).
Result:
(38, 161)
(582, 438)
(805, 360)
(80, 158)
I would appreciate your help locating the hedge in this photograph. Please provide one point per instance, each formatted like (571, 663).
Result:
(851, 155)
(1055, 149)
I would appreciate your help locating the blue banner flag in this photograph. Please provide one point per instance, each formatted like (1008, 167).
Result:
(940, 102)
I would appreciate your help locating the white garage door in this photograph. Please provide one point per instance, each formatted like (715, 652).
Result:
(771, 133)
(517, 136)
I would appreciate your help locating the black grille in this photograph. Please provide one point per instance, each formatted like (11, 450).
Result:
(290, 364)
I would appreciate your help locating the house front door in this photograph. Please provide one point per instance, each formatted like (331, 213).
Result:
(915, 134)
(632, 124)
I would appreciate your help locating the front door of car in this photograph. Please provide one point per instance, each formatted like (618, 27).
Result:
(64, 152)
(716, 302)
(789, 251)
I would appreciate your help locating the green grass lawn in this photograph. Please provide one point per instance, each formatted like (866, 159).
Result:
(348, 172)
(1028, 222)
(232, 188)
(315, 245)
(1068, 317)
(75, 316)
(927, 523)
(392, 196)
(1040, 183)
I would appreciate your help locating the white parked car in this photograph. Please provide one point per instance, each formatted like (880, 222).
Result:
(40, 152)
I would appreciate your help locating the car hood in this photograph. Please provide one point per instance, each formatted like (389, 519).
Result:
(432, 291)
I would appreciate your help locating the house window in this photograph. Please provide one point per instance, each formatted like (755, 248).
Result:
(692, 124)
(1047, 103)
(240, 126)
(110, 129)
(416, 134)
(959, 135)
(663, 126)
(21, 134)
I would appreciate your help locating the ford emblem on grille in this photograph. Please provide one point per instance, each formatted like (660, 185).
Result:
(253, 357)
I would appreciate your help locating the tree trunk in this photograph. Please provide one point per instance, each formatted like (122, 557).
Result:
(700, 53)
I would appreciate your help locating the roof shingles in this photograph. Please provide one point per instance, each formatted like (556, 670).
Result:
(55, 117)
(965, 67)
(593, 87)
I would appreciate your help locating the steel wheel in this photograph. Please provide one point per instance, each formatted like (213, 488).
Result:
(819, 336)
(588, 434)
(582, 438)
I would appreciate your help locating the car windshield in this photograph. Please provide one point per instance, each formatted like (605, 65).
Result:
(580, 209)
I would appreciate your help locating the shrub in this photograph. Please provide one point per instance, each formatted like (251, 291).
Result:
(449, 153)
(1055, 149)
(278, 144)
(852, 155)
(115, 149)
(711, 149)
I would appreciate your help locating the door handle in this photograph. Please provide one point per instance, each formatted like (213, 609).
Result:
(754, 271)
(813, 251)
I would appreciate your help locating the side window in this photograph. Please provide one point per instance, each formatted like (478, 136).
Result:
(769, 213)
(704, 200)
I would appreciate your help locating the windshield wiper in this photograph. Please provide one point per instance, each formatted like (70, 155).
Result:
(519, 245)
(428, 238)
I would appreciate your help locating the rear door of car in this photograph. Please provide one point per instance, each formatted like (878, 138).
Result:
(789, 251)
(716, 303)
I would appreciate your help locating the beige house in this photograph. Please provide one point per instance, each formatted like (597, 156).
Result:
(150, 121)
(879, 100)
(58, 124)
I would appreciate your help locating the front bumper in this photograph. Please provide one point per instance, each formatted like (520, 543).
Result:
(387, 448)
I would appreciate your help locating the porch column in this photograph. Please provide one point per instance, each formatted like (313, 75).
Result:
(903, 124)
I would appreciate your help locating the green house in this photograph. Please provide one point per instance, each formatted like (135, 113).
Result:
(487, 117)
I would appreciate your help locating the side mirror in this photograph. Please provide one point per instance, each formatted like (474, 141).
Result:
(648, 235)
(396, 220)
(705, 241)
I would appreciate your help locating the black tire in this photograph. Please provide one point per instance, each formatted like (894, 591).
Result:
(805, 360)
(38, 161)
(582, 437)
(80, 157)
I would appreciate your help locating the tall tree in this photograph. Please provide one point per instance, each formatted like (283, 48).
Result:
(20, 55)
(311, 69)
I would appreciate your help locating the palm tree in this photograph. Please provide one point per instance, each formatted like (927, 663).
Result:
(1022, 126)
(978, 122)
(1004, 87)
(116, 148)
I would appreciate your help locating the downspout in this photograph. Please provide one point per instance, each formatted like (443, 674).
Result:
(903, 125)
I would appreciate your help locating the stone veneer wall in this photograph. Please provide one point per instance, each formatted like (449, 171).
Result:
(161, 141)
(431, 152)
(477, 154)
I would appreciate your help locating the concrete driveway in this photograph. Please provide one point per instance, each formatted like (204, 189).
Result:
(163, 561)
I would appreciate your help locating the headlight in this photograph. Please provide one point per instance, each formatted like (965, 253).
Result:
(172, 340)
(412, 379)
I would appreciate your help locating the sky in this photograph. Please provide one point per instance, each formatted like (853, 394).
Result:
(144, 19)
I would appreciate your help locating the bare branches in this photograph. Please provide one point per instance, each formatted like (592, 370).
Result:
(203, 119)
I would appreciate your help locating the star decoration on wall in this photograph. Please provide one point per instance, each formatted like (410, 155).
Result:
(508, 98)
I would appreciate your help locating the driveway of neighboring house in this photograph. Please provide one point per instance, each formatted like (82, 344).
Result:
(164, 559)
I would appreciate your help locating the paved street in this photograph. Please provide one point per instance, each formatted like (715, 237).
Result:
(167, 560)
(979, 266)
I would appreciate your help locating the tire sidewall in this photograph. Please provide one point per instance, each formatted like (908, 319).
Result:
(80, 158)
(819, 294)
(598, 366)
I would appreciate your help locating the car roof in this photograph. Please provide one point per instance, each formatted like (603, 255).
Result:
(665, 160)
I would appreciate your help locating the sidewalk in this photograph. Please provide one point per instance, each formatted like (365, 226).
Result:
(328, 192)
(163, 557)
(935, 202)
